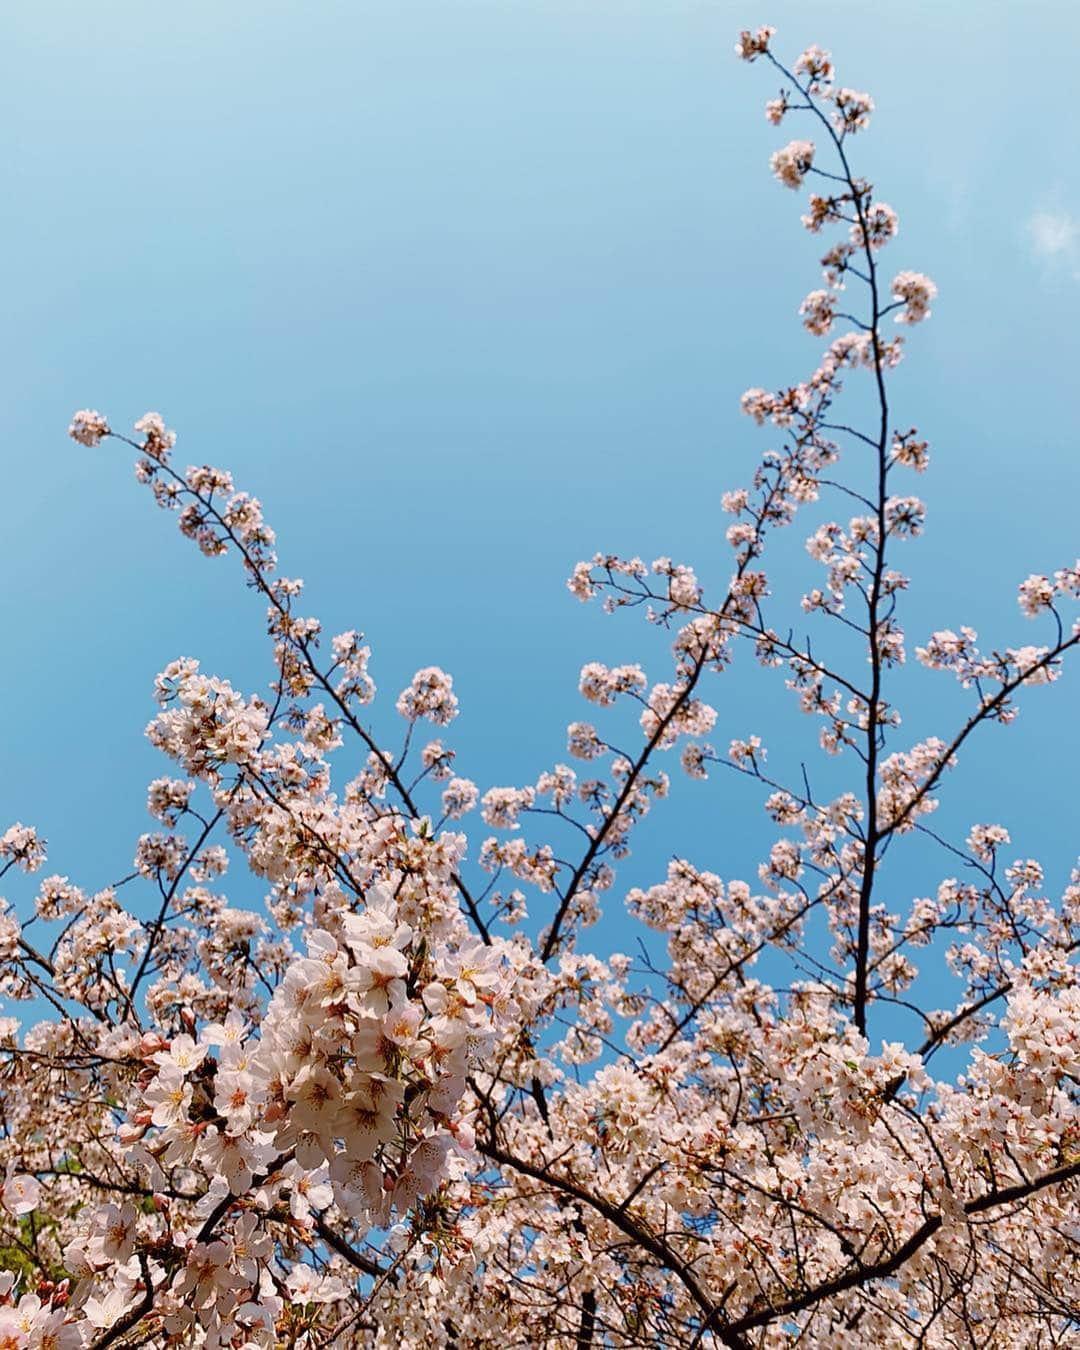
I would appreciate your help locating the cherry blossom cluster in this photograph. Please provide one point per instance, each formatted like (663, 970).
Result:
(320, 1069)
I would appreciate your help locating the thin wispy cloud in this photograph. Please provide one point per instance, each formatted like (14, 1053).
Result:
(1055, 240)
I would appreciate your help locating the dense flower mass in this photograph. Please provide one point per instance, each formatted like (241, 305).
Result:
(752, 45)
(88, 427)
(915, 292)
(792, 163)
(390, 1094)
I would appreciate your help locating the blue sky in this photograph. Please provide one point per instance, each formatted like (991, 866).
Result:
(466, 291)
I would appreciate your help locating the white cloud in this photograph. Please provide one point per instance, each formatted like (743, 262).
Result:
(1055, 239)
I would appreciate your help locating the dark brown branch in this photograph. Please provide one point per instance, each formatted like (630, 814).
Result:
(132, 1317)
(348, 1253)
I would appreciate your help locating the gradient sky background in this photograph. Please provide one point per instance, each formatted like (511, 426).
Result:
(466, 291)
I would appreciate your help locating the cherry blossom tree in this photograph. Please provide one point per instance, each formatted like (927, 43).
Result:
(404, 1104)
